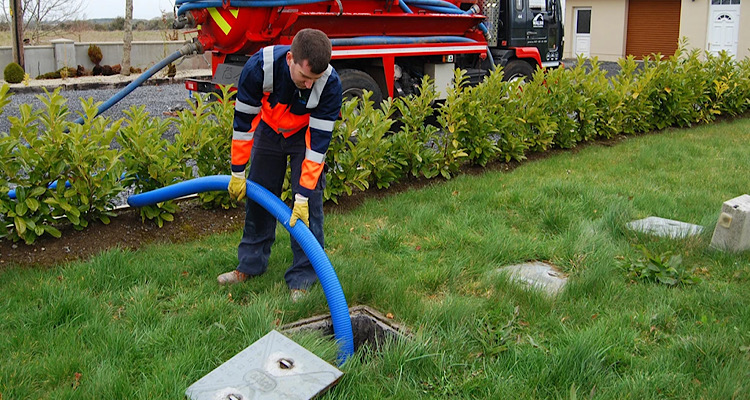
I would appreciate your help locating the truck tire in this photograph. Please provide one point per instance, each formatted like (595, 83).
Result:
(518, 69)
(354, 83)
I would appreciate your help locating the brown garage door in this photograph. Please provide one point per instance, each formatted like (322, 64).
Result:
(653, 27)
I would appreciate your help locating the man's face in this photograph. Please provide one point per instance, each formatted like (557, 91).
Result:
(302, 76)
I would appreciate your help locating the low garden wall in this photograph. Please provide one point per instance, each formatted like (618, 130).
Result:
(61, 53)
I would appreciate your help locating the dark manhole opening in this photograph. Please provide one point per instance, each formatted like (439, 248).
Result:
(370, 328)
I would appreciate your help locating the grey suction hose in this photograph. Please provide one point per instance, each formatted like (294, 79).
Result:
(342, 323)
(188, 48)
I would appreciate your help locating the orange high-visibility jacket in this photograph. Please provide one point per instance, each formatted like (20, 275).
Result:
(267, 95)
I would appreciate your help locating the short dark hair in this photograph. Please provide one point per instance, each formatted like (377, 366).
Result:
(314, 46)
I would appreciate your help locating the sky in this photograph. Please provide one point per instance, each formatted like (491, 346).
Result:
(142, 9)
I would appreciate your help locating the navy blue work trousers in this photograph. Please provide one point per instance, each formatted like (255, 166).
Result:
(271, 152)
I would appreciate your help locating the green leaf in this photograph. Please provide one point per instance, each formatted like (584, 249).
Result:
(33, 204)
(21, 209)
(74, 219)
(52, 231)
(20, 224)
(38, 191)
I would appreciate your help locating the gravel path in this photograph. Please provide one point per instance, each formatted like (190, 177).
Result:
(610, 67)
(157, 99)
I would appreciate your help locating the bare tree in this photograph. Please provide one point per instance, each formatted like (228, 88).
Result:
(128, 40)
(42, 16)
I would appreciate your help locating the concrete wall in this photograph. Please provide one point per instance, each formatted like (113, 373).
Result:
(608, 28)
(42, 59)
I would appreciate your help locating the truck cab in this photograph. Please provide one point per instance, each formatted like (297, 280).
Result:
(525, 30)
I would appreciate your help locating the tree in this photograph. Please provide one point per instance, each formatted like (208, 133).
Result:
(17, 32)
(42, 16)
(128, 40)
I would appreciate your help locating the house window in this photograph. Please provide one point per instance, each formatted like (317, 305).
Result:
(583, 24)
(725, 1)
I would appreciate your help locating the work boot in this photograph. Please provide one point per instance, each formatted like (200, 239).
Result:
(298, 294)
(232, 277)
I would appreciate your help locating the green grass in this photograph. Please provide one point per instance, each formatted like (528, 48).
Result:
(146, 324)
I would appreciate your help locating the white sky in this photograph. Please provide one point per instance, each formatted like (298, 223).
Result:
(142, 9)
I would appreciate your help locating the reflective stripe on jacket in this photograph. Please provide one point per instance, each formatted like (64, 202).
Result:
(267, 95)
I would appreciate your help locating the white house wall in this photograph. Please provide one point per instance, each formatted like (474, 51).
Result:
(608, 27)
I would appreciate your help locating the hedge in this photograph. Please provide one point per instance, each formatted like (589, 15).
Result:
(371, 146)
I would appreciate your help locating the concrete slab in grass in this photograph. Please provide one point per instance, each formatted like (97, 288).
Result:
(665, 227)
(537, 275)
(274, 367)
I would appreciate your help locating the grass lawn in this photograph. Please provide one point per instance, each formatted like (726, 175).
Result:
(147, 324)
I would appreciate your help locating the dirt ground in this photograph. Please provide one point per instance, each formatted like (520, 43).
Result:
(127, 231)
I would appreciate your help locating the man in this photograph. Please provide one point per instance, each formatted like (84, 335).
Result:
(287, 101)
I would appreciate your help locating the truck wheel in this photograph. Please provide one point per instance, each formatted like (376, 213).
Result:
(354, 83)
(518, 69)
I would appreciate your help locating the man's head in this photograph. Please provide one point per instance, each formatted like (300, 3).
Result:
(309, 57)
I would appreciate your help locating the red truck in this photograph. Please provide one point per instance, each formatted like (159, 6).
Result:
(384, 46)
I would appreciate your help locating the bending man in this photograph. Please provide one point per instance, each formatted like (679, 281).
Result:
(287, 102)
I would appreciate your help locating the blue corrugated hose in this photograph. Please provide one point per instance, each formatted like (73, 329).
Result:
(342, 324)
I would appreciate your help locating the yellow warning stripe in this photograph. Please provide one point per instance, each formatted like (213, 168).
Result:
(235, 12)
(220, 21)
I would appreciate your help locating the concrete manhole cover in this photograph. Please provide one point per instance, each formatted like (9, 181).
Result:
(537, 275)
(665, 227)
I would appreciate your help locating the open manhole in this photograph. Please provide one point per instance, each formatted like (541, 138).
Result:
(369, 327)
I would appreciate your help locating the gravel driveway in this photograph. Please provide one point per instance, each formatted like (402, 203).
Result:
(157, 99)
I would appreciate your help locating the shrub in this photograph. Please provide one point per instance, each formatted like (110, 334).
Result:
(478, 134)
(43, 147)
(151, 161)
(107, 70)
(13, 73)
(729, 89)
(531, 107)
(343, 174)
(452, 120)
(409, 149)
(33, 161)
(60, 73)
(94, 170)
(95, 54)
(209, 125)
